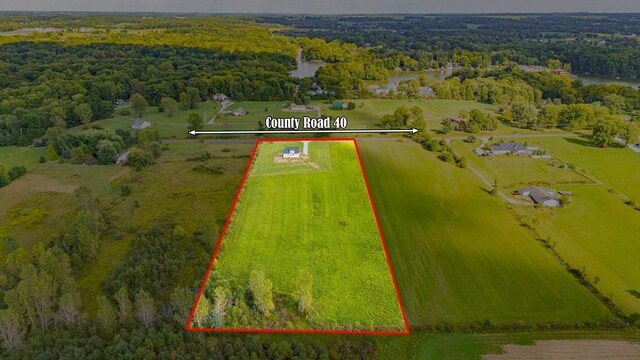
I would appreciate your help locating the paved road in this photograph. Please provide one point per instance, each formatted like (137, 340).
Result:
(252, 140)
(633, 147)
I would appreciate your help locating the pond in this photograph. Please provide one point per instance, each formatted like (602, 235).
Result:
(395, 77)
(305, 68)
(598, 80)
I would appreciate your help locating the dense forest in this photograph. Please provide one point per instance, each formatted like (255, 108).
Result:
(604, 45)
(44, 84)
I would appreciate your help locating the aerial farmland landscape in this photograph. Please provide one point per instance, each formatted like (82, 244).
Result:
(267, 180)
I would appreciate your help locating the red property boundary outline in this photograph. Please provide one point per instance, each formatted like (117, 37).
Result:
(299, 331)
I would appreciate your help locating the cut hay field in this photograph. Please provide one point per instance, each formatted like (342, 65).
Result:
(513, 171)
(618, 168)
(459, 255)
(318, 219)
(600, 234)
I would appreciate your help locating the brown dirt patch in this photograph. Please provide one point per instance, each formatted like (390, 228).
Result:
(570, 349)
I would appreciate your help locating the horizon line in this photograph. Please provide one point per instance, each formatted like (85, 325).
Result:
(240, 13)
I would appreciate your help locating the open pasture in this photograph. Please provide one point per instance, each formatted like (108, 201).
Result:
(599, 234)
(459, 255)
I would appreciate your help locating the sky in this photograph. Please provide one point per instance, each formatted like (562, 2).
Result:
(325, 6)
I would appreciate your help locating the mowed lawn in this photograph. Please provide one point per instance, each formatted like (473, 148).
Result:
(26, 156)
(167, 126)
(619, 168)
(458, 254)
(319, 221)
(513, 171)
(601, 234)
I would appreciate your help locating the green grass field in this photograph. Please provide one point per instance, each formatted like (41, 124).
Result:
(320, 221)
(513, 171)
(167, 126)
(34, 208)
(368, 112)
(600, 234)
(619, 168)
(458, 253)
(26, 156)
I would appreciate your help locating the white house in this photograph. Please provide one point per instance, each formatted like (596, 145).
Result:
(220, 97)
(291, 152)
(239, 112)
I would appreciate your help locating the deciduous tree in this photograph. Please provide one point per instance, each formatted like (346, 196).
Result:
(139, 104)
(169, 105)
(261, 289)
(105, 314)
(145, 310)
(304, 292)
(124, 304)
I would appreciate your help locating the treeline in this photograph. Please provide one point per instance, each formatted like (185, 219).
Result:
(101, 146)
(606, 46)
(12, 174)
(227, 303)
(227, 34)
(144, 306)
(44, 84)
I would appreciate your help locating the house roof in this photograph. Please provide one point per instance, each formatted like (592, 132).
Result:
(291, 150)
(139, 123)
(508, 146)
(538, 194)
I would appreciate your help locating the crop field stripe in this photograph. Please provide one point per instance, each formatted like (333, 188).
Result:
(384, 244)
(188, 326)
(222, 233)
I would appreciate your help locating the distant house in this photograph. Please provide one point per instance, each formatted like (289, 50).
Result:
(294, 107)
(542, 196)
(379, 90)
(219, 97)
(239, 112)
(122, 158)
(140, 124)
(121, 102)
(338, 105)
(291, 152)
(511, 147)
(426, 91)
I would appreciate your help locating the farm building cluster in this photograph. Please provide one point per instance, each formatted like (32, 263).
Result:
(512, 148)
(543, 196)
(540, 195)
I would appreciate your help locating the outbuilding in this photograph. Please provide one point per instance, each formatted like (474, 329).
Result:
(140, 124)
(542, 196)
